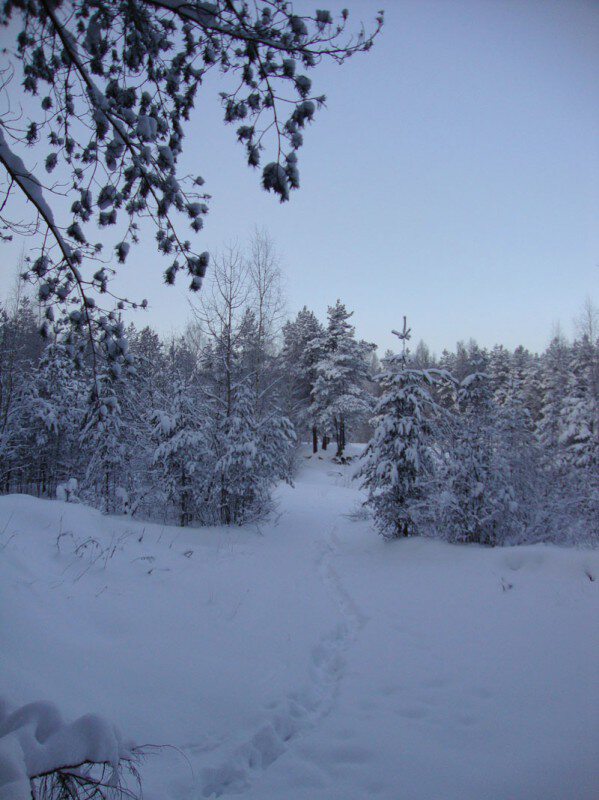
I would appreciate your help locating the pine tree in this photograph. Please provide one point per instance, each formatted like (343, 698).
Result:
(302, 350)
(520, 390)
(461, 362)
(339, 393)
(150, 364)
(116, 82)
(478, 358)
(533, 392)
(421, 357)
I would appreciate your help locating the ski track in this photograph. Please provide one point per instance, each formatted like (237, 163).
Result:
(301, 711)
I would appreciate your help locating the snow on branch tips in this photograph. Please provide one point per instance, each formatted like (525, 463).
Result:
(116, 82)
(42, 757)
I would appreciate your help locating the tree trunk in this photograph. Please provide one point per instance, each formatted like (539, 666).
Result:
(325, 441)
(314, 439)
(341, 437)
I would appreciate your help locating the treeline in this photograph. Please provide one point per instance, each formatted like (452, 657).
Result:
(479, 446)
(196, 428)
(493, 447)
(188, 429)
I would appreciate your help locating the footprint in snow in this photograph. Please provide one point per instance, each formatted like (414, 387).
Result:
(301, 710)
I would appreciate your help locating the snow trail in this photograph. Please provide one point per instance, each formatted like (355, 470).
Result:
(347, 605)
(301, 711)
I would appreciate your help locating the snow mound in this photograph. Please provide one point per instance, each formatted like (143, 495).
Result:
(35, 740)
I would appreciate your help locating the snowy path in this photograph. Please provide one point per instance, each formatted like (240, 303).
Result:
(313, 661)
(303, 709)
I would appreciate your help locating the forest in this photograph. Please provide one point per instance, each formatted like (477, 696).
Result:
(488, 446)
(245, 551)
(241, 471)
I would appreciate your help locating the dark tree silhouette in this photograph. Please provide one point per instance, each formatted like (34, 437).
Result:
(116, 80)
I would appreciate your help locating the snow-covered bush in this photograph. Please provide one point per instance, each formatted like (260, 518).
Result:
(42, 757)
(67, 491)
(250, 453)
(181, 458)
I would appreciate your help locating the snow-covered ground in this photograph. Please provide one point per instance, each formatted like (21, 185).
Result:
(306, 658)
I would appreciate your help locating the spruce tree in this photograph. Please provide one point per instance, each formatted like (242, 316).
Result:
(398, 462)
(471, 499)
(181, 456)
(253, 454)
(54, 407)
(580, 417)
(102, 440)
(499, 373)
(553, 386)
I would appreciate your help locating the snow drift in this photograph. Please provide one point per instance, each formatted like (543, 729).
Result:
(305, 657)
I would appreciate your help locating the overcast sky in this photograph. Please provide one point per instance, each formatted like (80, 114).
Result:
(453, 177)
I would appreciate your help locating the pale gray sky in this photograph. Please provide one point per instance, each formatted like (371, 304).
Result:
(453, 177)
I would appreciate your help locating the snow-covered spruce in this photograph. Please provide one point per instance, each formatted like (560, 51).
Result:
(472, 497)
(182, 456)
(251, 460)
(398, 463)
